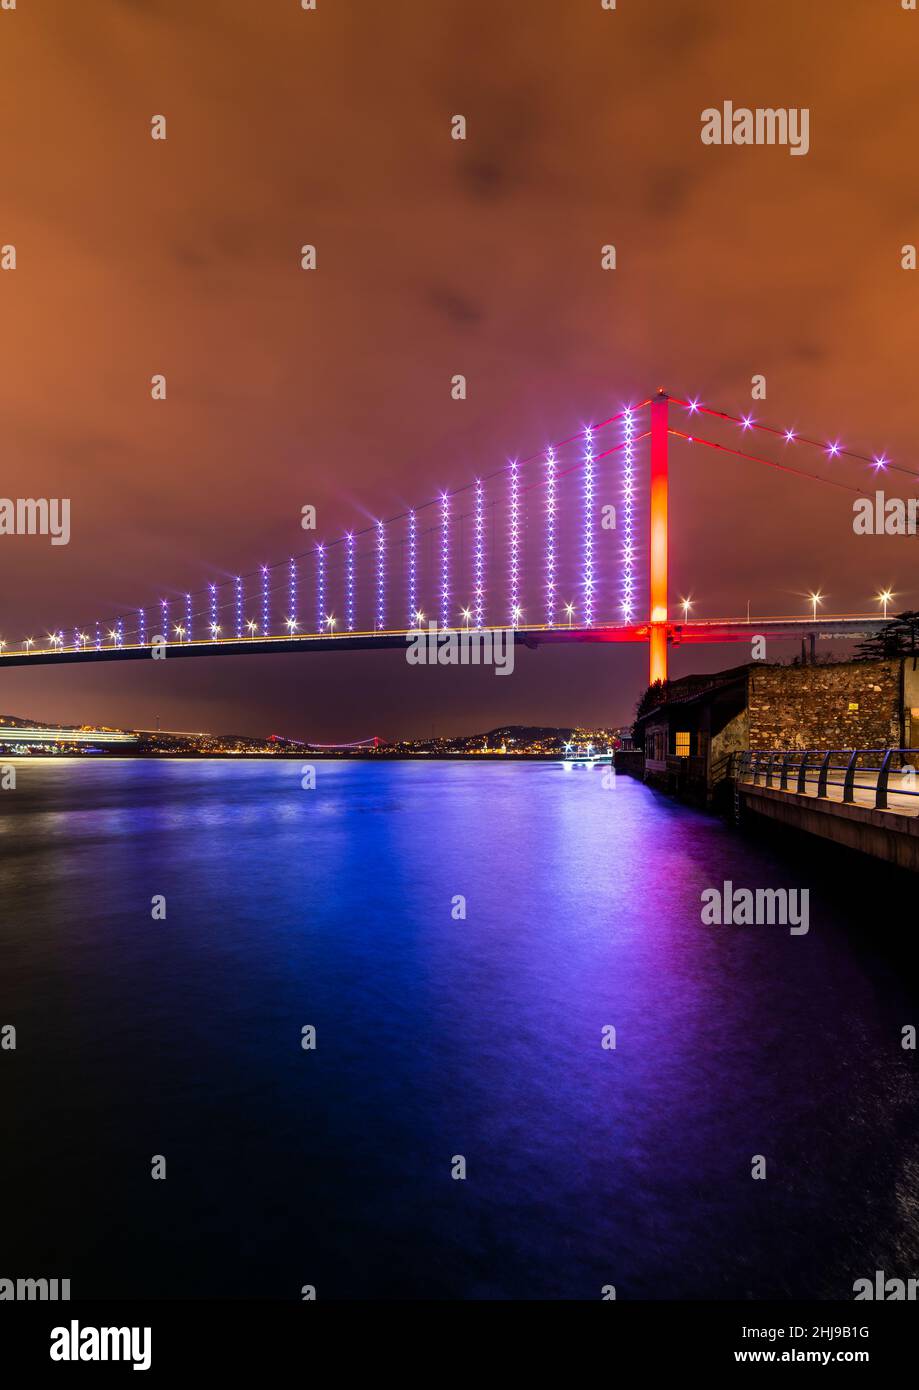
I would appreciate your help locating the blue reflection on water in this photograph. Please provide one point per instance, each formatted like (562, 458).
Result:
(436, 1037)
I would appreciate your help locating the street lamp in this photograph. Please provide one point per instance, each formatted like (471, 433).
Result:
(29, 642)
(467, 614)
(685, 604)
(569, 609)
(180, 632)
(83, 639)
(815, 599)
(331, 622)
(518, 614)
(252, 626)
(215, 631)
(884, 597)
(419, 617)
(291, 624)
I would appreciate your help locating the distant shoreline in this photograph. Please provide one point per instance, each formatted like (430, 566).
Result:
(316, 756)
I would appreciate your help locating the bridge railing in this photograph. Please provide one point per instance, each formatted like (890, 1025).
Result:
(894, 771)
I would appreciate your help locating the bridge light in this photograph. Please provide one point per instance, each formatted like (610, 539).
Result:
(685, 604)
(266, 616)
(514, 536)
(628, 503)
(180, 631)
(412, 565)
(381, 576)
(815, 598)
(550, 536)
(569, 610)
(880, 462)
(320, 585)
(747, 422)
(252, 626)
(292, 586)
(693, 407)
(789, 436)
(82, 639)
(588, 541)
(467, 614)
(479, 553)
(518, 614)
(2, 644)
(419, 617)
(349, 594)
(445, 560)
(215, 631)
(291, 624)
(29, 642)
(331, 622)
(885, 597)
(833, 450)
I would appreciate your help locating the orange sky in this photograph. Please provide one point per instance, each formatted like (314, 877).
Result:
(435, 257)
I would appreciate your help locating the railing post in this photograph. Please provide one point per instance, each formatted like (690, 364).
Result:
(769, 770)
(783, 779)
(822, 779)
(848, 790)
(802, 774)
(880, 795)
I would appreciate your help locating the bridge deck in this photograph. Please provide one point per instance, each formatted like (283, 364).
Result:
(531, 635)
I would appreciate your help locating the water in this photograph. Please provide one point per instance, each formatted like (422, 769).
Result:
(439, 1037)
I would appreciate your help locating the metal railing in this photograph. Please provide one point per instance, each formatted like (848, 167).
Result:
(792, 770)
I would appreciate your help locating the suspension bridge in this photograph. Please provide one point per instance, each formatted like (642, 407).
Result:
(570, 544)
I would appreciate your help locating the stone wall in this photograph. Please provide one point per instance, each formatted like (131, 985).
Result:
(855, 704)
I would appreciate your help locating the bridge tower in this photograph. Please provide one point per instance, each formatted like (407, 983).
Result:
(658, 531)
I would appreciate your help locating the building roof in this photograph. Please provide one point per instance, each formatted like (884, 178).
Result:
(690, 690)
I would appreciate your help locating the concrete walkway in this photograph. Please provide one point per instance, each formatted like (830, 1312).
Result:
(905, 802)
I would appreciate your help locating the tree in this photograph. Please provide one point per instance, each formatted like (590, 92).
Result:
(656, 694)
(900, 637)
